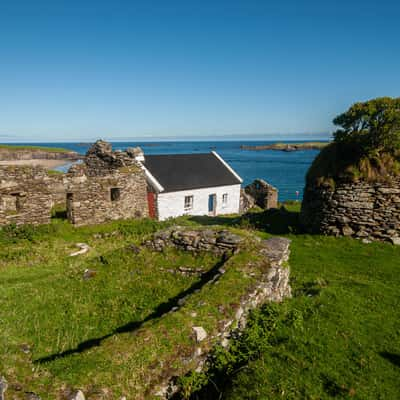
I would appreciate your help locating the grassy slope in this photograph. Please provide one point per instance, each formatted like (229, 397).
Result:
(345, 339)
(110, 322)
(14, 147)
(338, 336)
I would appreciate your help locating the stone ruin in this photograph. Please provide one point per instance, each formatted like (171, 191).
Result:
(108, 185)
(364, 210)
(259, 193)
(272, 286)
(25, 196)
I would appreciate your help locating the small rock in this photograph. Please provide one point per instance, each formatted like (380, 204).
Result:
(84, 248)
(395, 240)
(200, 333)
(366, 241)
(25, 348)
(3, 387)
(193, 314)
(228, 238)
(89, 273)
(347, 231)
(77, 395)
(133, 248)
(32, 396)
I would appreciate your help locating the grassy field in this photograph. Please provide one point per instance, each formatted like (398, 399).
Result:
(32, 148)
(338, 337)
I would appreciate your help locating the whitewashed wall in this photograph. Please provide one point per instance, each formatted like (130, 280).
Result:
(172, 204)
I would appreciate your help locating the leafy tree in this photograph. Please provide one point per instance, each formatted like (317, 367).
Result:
(371, 127)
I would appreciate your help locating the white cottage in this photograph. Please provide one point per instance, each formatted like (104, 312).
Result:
(190, 184)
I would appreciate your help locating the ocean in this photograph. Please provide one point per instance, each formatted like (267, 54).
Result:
(284, 170)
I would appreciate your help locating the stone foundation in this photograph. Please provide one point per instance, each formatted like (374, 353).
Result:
(369, 211)
(272, 286)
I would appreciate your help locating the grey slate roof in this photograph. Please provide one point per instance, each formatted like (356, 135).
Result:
(189, 171)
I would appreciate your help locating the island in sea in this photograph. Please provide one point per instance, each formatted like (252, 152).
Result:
(287, 146)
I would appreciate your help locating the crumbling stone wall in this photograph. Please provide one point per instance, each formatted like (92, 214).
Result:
(215, 241)
(25, 197)
(108, 185)
(364, 210)
(117, 195)
(259, 193)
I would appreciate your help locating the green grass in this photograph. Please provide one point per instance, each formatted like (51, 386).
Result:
(338, 337)
(33, 148)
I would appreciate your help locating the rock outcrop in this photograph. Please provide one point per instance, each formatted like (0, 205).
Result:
(364, 210)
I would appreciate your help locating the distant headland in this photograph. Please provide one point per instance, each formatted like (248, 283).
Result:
(287, 146)
(48, 157)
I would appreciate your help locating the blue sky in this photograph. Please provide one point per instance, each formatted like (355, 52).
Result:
(122, 70)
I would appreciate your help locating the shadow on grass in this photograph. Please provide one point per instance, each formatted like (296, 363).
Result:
(393, 358)
(274, 221)
(163, 308)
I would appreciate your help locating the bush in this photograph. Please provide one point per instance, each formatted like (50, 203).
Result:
(366, 146)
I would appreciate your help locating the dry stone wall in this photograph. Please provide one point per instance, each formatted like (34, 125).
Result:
(216, 241)
(24, 196)
(370, 211)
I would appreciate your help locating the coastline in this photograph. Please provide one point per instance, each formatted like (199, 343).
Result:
(45, 163)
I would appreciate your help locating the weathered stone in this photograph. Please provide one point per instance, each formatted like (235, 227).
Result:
(259, 193)
(89, 273)
(3, 387)
(227, 237)
(218, 242)
(395, 240)
(347, 231)
(200, 333)
(108, 185)
(32, 396)
(134, 249)
(77, 395)
(362, 209)
(84, 248)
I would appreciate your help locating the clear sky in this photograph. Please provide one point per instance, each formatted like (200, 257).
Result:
(79, 70)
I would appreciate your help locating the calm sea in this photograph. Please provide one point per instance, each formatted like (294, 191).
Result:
(284, 170)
